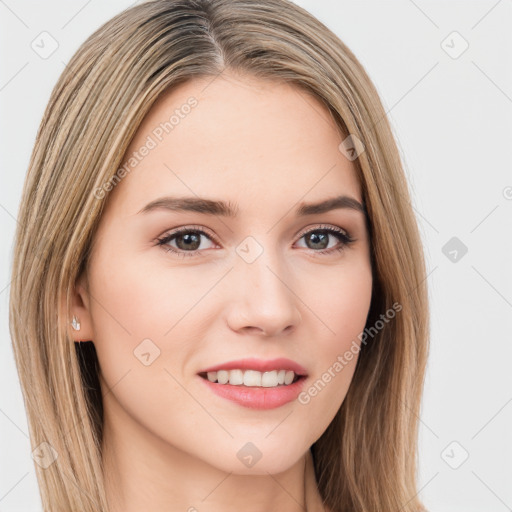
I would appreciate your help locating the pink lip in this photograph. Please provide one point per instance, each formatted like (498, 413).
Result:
(258, 397)
(261, 365)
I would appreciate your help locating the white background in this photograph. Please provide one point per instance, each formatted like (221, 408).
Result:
(453, 121)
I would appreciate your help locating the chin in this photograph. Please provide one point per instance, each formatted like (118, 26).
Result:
(258, 458)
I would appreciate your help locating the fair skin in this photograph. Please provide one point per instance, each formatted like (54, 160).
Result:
(170, 444)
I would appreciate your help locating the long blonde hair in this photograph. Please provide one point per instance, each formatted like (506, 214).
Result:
(366, 460)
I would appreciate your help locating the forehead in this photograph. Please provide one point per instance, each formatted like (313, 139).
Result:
(246, 140)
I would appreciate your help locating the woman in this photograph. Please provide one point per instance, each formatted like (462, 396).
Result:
(221, 302)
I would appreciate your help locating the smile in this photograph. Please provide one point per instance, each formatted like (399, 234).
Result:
(252, 378)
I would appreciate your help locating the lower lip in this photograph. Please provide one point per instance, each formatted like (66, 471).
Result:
(257, 397)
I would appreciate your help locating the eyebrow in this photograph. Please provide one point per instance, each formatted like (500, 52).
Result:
(228, 209)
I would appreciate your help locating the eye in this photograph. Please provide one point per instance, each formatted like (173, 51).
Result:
(188, 240)
(318, 238)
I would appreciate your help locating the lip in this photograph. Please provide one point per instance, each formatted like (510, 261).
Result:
(257, 397)
(261, 365)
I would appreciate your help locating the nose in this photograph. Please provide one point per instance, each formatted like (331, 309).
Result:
(262, 298)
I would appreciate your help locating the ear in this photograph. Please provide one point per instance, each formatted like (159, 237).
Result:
(80, 308)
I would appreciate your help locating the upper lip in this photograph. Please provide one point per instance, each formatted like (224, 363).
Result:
(261, 365)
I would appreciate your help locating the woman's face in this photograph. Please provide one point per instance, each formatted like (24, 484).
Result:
(265, 283)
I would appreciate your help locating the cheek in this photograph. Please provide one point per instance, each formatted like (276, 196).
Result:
(348, 308)
(128, 319)
(134, 310)
(148, 316)
(341, 306)
(138, 299)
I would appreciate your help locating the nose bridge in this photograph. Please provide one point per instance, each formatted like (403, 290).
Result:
(264, 297)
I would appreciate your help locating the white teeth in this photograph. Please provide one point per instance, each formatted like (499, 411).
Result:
(288, 377)
(236, 377)
(222, 376)
(252, 378)
(269, 379)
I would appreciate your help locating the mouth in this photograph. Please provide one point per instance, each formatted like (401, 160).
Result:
(254, 389)
(256, 383)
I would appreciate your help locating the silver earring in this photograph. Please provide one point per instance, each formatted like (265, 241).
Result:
(75, 323)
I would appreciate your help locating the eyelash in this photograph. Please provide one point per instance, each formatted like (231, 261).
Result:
(342, 235)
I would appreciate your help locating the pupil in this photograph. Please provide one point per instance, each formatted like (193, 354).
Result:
(191, 241)
(323, 237)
